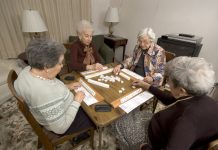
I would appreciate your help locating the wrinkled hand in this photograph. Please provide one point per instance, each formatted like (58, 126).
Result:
(148, 79)
(79, 96)
(117, 69)
(142, 84)
(98, 66)
(73, 85)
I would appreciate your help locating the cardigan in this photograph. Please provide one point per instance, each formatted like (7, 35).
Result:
(189, 123)
(77, 55)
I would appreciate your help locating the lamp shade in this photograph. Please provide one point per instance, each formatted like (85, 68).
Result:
(112, 15)
(32, 22)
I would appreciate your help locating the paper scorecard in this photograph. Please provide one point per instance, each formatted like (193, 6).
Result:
(89, 99)
(136, 101)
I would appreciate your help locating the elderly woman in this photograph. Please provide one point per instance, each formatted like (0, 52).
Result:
(190, 119)
(50, 100)
(148, 58)
(83, 53)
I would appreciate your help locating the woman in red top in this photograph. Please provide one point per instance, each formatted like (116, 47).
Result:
(83, 53)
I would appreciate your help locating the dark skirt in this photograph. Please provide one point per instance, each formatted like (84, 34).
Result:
(80, 122)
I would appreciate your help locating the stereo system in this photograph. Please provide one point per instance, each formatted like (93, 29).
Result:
(181, 44)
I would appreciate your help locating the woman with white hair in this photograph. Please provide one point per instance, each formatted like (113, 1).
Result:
(83, 53)
(190, 118)
(148, 61)
(148, 58)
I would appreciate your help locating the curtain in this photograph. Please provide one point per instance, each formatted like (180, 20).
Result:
(60, 17)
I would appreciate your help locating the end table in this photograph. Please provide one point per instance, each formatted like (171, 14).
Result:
(116, 41)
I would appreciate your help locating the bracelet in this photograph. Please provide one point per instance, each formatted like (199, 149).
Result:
(122, 66)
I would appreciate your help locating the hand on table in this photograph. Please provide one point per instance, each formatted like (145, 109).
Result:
(142, 84)
(73, 85)
(148, 79)
(79, 96)
(96, 66)
(117, 69)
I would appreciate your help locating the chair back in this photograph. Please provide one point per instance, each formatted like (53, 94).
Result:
(12, 76)
(214, 92)
(169, 55)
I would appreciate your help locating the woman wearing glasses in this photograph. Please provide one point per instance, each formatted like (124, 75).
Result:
(50, 100)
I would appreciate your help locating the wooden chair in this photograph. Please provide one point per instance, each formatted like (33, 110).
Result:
(46, 138)
(214, 92)
(169, 56)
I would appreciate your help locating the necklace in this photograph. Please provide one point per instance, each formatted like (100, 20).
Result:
(37, 76)
(42, 78)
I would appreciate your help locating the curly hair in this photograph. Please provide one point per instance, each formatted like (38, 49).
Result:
(43, 53)
(193, 74)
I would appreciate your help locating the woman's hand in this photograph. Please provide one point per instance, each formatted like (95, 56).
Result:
(148, 79)
(117, 69)
(141, 83)
(73, 85)
(79, 96)
(98, 66)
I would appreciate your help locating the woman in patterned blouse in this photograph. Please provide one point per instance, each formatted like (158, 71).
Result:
(148, 59)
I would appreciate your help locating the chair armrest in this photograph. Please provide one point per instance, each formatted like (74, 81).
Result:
(107, 53)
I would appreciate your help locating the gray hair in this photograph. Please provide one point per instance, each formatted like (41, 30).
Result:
(193, 74)
(147, 32)
(84, 25)
(43, 53)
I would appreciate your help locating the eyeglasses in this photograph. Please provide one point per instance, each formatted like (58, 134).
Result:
(61, 63)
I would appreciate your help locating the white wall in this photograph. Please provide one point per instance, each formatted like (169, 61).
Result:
(99, 9)
(198, 17)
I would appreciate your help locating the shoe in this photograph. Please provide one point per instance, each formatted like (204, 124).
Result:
(79, 138)
(145, 146)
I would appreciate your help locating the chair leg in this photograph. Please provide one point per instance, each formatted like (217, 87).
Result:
(39, 145)
(46, 144)
(92, 138)
(155, 101)
(49, 147)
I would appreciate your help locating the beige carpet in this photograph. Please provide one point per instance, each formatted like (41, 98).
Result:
(16, 133)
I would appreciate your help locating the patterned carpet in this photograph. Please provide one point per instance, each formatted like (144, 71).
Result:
(17, 134)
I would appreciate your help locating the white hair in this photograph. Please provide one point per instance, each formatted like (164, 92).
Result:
(147, 32)
(84, 25)
(193, 74)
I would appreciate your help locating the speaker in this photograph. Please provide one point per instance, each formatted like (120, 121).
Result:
(181, 45)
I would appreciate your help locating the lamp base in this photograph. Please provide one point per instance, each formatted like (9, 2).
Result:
(111, 30)
(111, 35)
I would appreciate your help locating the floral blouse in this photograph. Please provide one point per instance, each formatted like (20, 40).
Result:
(154, 62)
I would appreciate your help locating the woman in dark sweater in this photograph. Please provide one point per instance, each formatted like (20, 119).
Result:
(190, 120)
(83, 53)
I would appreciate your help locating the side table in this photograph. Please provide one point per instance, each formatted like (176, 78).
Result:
(116, 41)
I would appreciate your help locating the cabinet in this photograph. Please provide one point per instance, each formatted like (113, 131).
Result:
(184, 46)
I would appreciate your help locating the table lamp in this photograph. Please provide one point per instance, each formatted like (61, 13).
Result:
(112, 17)
(33, 23)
